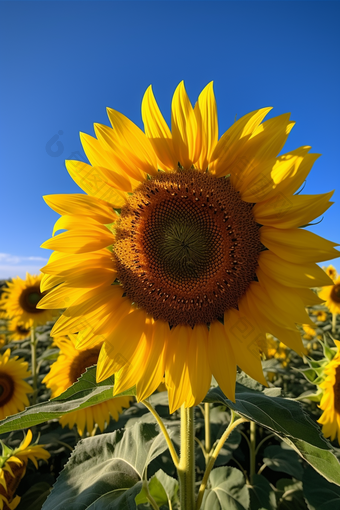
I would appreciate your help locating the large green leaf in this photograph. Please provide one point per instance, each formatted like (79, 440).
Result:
(285, 461)
(84, 393)
(286, 419)
(320, 494)
(162, 487)
(105, 471)
(261, 494)
(290, 495)
(227, 490)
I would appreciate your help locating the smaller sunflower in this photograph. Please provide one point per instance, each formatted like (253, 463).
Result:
(309, 332)
(20, 299)
(331, 294)
(13, 388)
(18, 330)
(69, 366)
(320, 315)
(13, 465)
(330, 401)
(331, 272)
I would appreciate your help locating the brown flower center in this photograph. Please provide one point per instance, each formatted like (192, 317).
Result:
(84, 360)
(186, 247)
(336, 390)
(335, 293)
(22, 330)
(6, 388)
(29, 299)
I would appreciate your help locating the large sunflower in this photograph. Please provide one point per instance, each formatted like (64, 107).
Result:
(69, 366)
(186, 248)
(331, 294)
(20, 299)
(330, 402)
(13, 388)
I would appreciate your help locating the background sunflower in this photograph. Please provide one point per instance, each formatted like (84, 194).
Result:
(14, 389)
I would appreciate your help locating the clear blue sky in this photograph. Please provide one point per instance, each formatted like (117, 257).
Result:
(63, 63)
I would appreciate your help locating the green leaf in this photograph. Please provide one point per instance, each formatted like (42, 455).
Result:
(228, 490)
(162, 487)
(320, 494)
(84, 393)
(286, 419)
(34, 498)
(290, 495)
(261, 494)
(105, 471)
(169, 484)
(285, 461)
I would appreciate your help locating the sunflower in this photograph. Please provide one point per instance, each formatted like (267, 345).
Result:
(20, 299)
(69, 366)
(320, 315)
(18, 330)
(13, 465)
(13, 388)
(186, 248)
(331, 271)
(330, 402)
(331, 294)
(310, 331)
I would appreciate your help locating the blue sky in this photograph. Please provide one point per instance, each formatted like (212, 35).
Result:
(63, 63)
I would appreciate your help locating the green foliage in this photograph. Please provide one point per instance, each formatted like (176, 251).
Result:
(262, 494)
(107, 470)
(227, 490)
(320, 494)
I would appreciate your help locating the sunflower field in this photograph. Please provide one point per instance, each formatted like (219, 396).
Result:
(181, 348)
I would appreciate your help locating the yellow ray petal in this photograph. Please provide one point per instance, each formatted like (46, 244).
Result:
(49, 281)
(158, 132)
(285, 298)
(297, 245)
(136, 144)
(176, 370)
(71, 264)
(101, 154)
(155, 364)
(123, 340)
(199, 372)
(206, 117)
(72, 222)
(290, 211)
(234, 140)
(81, 205)
(292, 275)
(114, 178)
(60, 297)
(222, 360)
(253, 309)
(243, 336)
(80, 241)
(184, 128)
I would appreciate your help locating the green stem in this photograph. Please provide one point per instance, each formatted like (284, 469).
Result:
(252, 450)
(171, 447)
(34, 365)
(214, 454)
(186, 467)
(334, 322)
(207, 428)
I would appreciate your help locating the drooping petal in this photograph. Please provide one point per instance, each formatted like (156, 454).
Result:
(222, 360)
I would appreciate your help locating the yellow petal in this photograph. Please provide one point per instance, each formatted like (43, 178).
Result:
(136, 144)
(234, 140)
(199, 372)
(101, 154)
(49, 281)
(60, 297)
(81, 205)
(243, 336)
(297, 245)
(80, 241)
(290, 211)
(158, 132)
(184, 128)
(176, 370)
(206, 116)
(72, 222)
(71, 264)
(155, 365)
(222, 360)
(292, 275)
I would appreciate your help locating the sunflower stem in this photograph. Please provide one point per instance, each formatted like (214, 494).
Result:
(334, 322)
(214, 454)
(186, 467)
(207, 428)
(34, 365)
(171, 447)
(252, 450)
